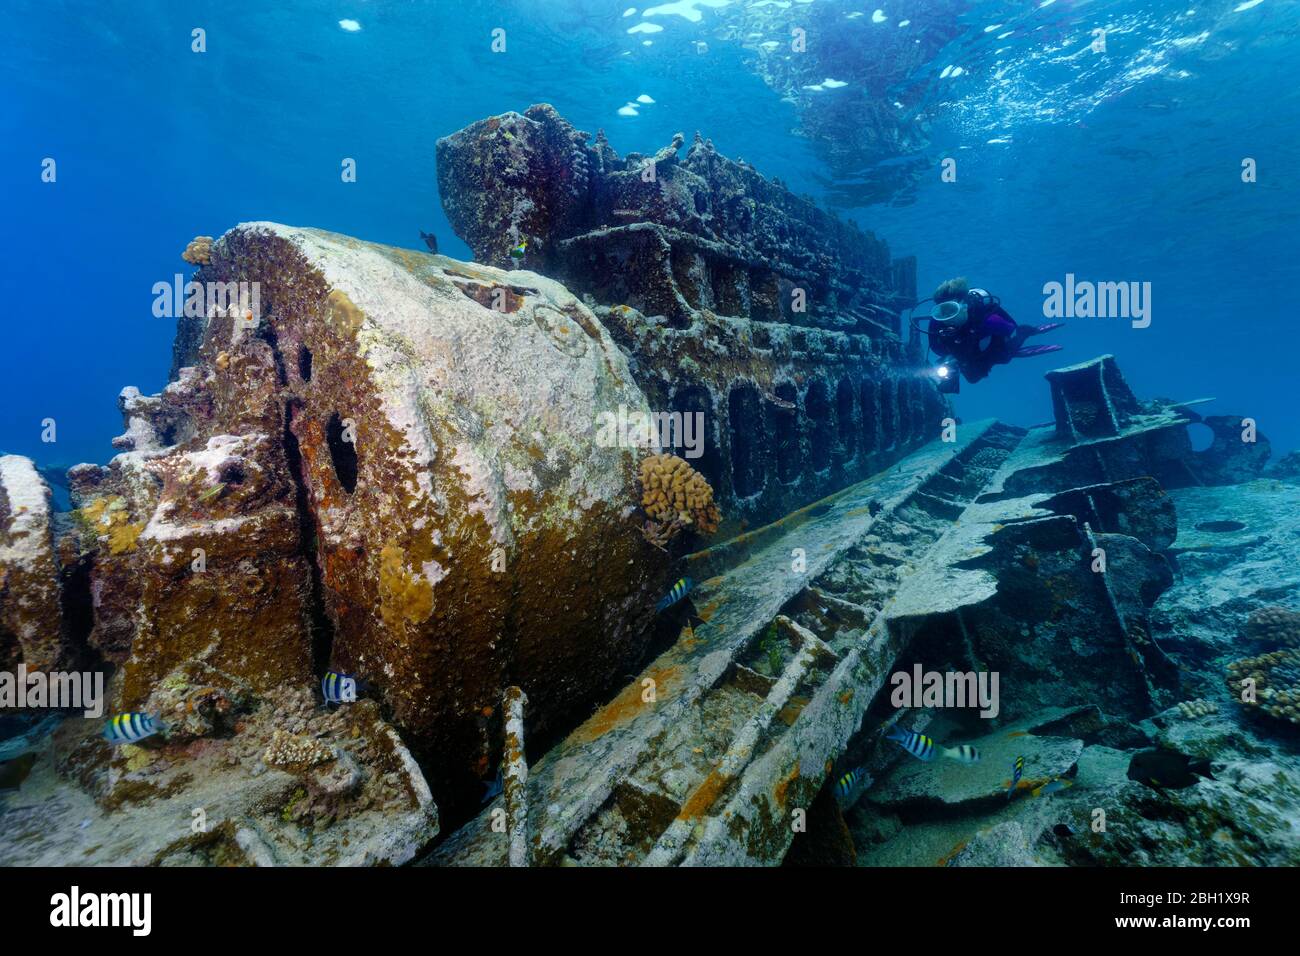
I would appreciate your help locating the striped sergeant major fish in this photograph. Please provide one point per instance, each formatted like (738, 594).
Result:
(339, 688)
(1016, 773)
(918, 745)
(679, 591)
(962, 753)
(851, 782)
(132, 727)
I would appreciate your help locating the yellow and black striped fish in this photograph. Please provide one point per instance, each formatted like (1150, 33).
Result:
(339, 688)
(962, 753)
(847, 784)
(918, 745)
(1016, 774)
(679, 591)
(131, 728)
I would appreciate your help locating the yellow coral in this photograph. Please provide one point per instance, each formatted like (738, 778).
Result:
(93, 510)
(199, 251)
(109, 517)
(403, 596)
(344, 316)
(122, 536)
(674, 492)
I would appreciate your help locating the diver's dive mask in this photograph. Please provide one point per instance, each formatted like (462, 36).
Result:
(950, 314)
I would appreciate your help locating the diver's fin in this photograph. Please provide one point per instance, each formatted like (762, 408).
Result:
(1031, 350)
(1040, 329)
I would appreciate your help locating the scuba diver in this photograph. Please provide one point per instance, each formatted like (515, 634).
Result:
(971, 332)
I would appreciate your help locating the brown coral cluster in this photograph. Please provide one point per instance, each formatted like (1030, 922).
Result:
(1275, 625)
(674, 495)
(1277, 682)
(199, 251)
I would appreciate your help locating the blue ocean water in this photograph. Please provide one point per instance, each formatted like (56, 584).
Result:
(1124, 165)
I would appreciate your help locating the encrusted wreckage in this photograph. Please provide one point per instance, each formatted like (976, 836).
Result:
(395, 470)
(981, 554)
(732, 297)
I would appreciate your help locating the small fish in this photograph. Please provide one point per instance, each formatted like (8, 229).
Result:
(132, 727)
(1168, 769)
(1051, 787)
(211, 493)
(339, 688)
(874, 507)
(918, 745)
(962, 753)
(679, 591)
(14, 772)
(430, 240)
(1016, 773)
(1063, 831)
(847, 784)
(496, 786)
(520, 250)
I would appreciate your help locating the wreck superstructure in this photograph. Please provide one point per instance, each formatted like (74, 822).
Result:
(733, 298)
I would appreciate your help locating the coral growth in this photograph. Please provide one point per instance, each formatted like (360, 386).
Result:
(199, 251)
(296, 753)
(108, 517)
(198, 700)
(1277, 683)
(675, 495)
(1192, 709)
(1275, 625)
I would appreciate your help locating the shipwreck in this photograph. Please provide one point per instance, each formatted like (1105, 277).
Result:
(393, 471)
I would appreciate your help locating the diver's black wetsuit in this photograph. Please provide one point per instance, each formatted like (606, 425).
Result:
(988, 337)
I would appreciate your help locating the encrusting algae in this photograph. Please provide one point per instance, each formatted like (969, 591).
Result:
(404, 596)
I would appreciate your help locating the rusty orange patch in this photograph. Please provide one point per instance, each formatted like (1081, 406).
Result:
(708, 610)
(791, 711)
(948, 857)
(783, 785)
(627, 704)
(705, 796)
